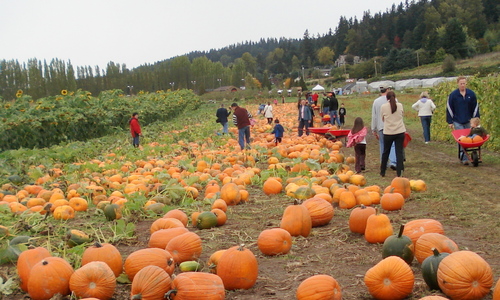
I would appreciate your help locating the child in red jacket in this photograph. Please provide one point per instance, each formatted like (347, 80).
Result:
(135, 129)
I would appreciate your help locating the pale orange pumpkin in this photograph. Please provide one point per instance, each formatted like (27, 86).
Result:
(274, 241)
(296, 220)
(319, 287)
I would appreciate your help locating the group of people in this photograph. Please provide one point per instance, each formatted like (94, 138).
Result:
(387, 123)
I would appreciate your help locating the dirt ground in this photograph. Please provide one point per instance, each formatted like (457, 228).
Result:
(462, 198)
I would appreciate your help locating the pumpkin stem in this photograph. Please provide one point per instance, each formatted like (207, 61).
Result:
(167, 295)
(435, 251)
(136, 297)
(98, 245)
(45, 262)
(170, 261)
(401, 229)
(241, 248)
(363, 206)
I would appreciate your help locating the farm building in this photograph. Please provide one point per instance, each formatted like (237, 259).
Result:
(408, 84)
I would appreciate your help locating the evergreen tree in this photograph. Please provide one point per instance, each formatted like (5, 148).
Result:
(454, 39)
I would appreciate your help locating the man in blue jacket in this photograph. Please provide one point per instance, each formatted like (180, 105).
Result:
(461, 107)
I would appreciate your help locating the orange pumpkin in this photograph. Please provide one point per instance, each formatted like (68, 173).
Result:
(165, 223)
(390, 279)
(272, 186)
(221, 216)
(151, 282)
(401, 185)
(160, 238)
(64, 212)
(27, 259)
(230, 193)
(213, 260)
(238, 268)
(425, 243)
(359, 217)
(184, 247)
(465, 275)
(414, 229)
(320, 210)
(78, 204)
(347, 199)
(296, 220)
(378, 228)
(106, 253)
(275, 241)
(392, 201)
(177, 214)
(496, 291)
(49, 277)
(95, 279)
(319, 287)
(220, 204)
(191, 285)
(146, 257)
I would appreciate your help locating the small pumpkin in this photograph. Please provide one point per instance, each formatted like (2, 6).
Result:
(430, 267)
(146, 257)
(213, 260)
(465, 275)
(320, 210)
(390, 279)
(184, 247)
(95, 279)
(221, 216)
(206, 220)
(151, 282)
(359, 217)
(160, 238)
(272, 186)
(49, 277)
(296, 220)
(106, 253)
(230, 192)
(165, 223)
(196, 285)
(347, 199)
(77, 237)
(190, 266)
(112, 212)
(399, 245)
(319, 287)
(63, 212)
(177, 214)
(378, 228)
(392, 201)
(401, 185)
(238, 268)
(274, 241)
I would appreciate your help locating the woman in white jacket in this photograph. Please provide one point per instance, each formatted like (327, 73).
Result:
(425, 108)
(268, 113)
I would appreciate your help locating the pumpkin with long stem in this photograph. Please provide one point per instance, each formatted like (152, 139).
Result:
(430, 267)
(399, 245)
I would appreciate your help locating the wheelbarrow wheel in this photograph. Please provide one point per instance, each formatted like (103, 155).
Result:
(475, 159)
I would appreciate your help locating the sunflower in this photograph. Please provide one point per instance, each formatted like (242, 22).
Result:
(19, 93)
(64, 92)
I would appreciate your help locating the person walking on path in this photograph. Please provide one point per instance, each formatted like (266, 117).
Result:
(135, 129)
(222, 114)
(334, 107)
(461, 107)
(241, 118)
(394, 132)
(305, 117)
(378, 125)
(357, 138)
(325, 107)
(425, 108)
(278, 131)
(268, 113)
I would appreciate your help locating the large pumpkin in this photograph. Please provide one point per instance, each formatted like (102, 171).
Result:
(378, 228)
(27, 259)
(160, 238)
(414, 229)
(296, 220)
(399, 245)
(238, 268)
(146, 257)
(165, 223)
(177, 214)
(106, 253)
(151, 282)
(319, 287)
(272, 186)
(358, 218)
(465, 275)
(496, 291)
(390, 279)
(320, 210)
(230, 193)
(428, 241)
(95, 279)
(196, 285)
(184, 247)
(49, 277)
(274, 241)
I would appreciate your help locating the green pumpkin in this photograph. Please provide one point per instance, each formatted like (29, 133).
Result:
(430, 267)
(190, 266)
(20, 239)
(206, 220)
(77, 237)
(398, 245)
(156, 208)
(112, 212)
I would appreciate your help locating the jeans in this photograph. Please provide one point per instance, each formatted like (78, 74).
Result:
(225, 127)
(398, 140)
(334, 117)
(304, 123)
(426, 126)
(360, 154)
(461, 153)
(244, 135)
(392, 154)
(135, 141)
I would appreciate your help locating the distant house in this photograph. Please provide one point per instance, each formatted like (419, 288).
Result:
(227, 88)
(342, 60)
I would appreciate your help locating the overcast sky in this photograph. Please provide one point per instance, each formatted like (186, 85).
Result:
(94, 32)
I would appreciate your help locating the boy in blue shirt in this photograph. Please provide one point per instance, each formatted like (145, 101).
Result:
(278, 131)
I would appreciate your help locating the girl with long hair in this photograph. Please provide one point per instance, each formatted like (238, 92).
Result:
(394, 132)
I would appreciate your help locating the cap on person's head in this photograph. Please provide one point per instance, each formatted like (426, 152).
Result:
(384, 87)
(234, 104)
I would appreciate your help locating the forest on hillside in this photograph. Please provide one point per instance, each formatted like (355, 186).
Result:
(404, 36)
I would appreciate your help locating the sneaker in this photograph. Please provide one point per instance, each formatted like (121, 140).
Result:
(382, 174)
(427, 142)
(393, 167)
(465, 163)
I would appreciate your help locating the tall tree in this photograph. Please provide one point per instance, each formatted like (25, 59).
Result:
(454, 39)
(325, 56)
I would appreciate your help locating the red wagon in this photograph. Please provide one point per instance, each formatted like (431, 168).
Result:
(471, 150)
